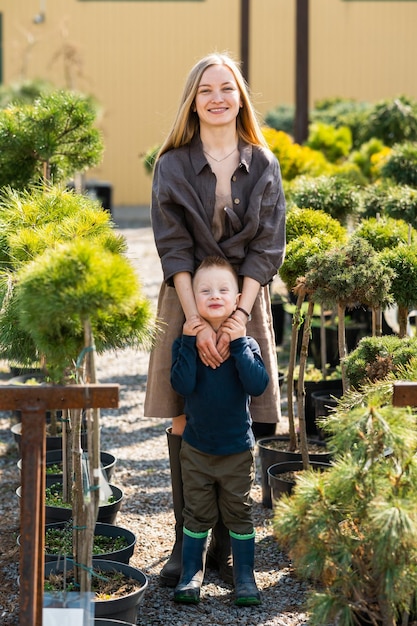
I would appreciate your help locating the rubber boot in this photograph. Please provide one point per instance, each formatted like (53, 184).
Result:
(219, 554)
(193, 563)
(243, 548)
(171, 572)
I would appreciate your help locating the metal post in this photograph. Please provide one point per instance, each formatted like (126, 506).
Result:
(301, 71)
(244, 38)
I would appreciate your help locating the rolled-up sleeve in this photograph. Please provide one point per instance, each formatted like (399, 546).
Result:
(266, 250)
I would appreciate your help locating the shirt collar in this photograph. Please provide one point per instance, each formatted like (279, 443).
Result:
(199, 161)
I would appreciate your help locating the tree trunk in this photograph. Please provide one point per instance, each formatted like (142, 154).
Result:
(377, 322)
(323, 344)
(301, 393)
(402, 320)
(341, 310)
(296, 322)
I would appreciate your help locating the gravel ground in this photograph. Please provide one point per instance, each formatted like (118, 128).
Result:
(142, 471)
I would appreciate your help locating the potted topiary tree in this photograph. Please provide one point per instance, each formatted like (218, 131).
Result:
(54, 237)
(390, 236)
(350, 275)
(358, 516)
(308, 231)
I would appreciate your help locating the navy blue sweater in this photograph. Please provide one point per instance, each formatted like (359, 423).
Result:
(217, 400)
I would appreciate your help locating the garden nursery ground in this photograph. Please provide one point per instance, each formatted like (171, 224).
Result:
(142, 472)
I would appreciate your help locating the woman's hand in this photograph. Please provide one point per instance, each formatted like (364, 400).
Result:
(206, 346)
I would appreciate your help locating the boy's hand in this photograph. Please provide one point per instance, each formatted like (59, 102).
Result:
(193, 325)
(235, 327)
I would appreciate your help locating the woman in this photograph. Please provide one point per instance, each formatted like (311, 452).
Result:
(216, 191)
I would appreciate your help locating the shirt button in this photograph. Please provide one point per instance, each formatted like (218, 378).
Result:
(236, 201)
(234, 179)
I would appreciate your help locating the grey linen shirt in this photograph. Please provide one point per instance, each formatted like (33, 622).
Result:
(183, 201)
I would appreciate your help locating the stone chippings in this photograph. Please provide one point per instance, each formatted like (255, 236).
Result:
(142, 471)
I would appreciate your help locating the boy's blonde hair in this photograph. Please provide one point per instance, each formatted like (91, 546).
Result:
(217, 261)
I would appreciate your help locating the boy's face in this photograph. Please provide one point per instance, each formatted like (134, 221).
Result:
(216, 294)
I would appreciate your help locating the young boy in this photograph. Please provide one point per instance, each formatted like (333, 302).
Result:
(217, 457)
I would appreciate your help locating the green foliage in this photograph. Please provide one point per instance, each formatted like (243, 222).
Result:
(334, 195)
(282, 118)
(401, 164)
(335, 143)
(298, 252)
(402, 261)
(375, 358)
(35, 227)
(393, 121)
(25, 92)
(366, 155)
(314, 223)
(353, 527)
(350, 275)
(149, 158)
(53, 137)
(342, 112)
(76, 282)
(385, 198)
(385, 232)
(293, 158)
(39, 218)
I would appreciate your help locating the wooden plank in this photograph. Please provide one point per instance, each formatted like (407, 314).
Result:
(405, 393)
(32, 401)
(50, 397)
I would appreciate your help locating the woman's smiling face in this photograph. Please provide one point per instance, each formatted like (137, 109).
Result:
(218, 98)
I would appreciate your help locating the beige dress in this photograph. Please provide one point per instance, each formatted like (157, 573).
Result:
(161, 400)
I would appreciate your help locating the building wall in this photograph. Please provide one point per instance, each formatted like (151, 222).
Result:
(133, 56)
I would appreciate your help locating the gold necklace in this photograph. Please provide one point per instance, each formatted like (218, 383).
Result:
(224, 158)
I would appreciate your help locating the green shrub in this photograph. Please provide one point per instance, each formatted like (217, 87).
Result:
(375, 358)
(53, 138)
(342, 112)
(386, 199)
(385, 232)
(349, 275)
(281, 118)
(392, 121)
(353, 526)
(25, 92)
(403, 261)
(334, 195)
(293, 158)
(401, 164)
(366, 156)
(298, 251)
(314, 223)
(335, 143)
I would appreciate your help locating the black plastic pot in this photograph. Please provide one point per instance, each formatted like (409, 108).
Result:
(106, 530)
(323, 402)
(280, 485)
(107, 513)
(54, 457)
(52, 443)
(270, 456)
(328, 385)
(124, 608)
(278, 321)
(110, 622)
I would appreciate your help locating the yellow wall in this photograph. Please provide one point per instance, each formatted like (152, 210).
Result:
(134, 56)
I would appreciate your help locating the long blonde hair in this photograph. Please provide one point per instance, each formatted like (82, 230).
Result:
(186, 124)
